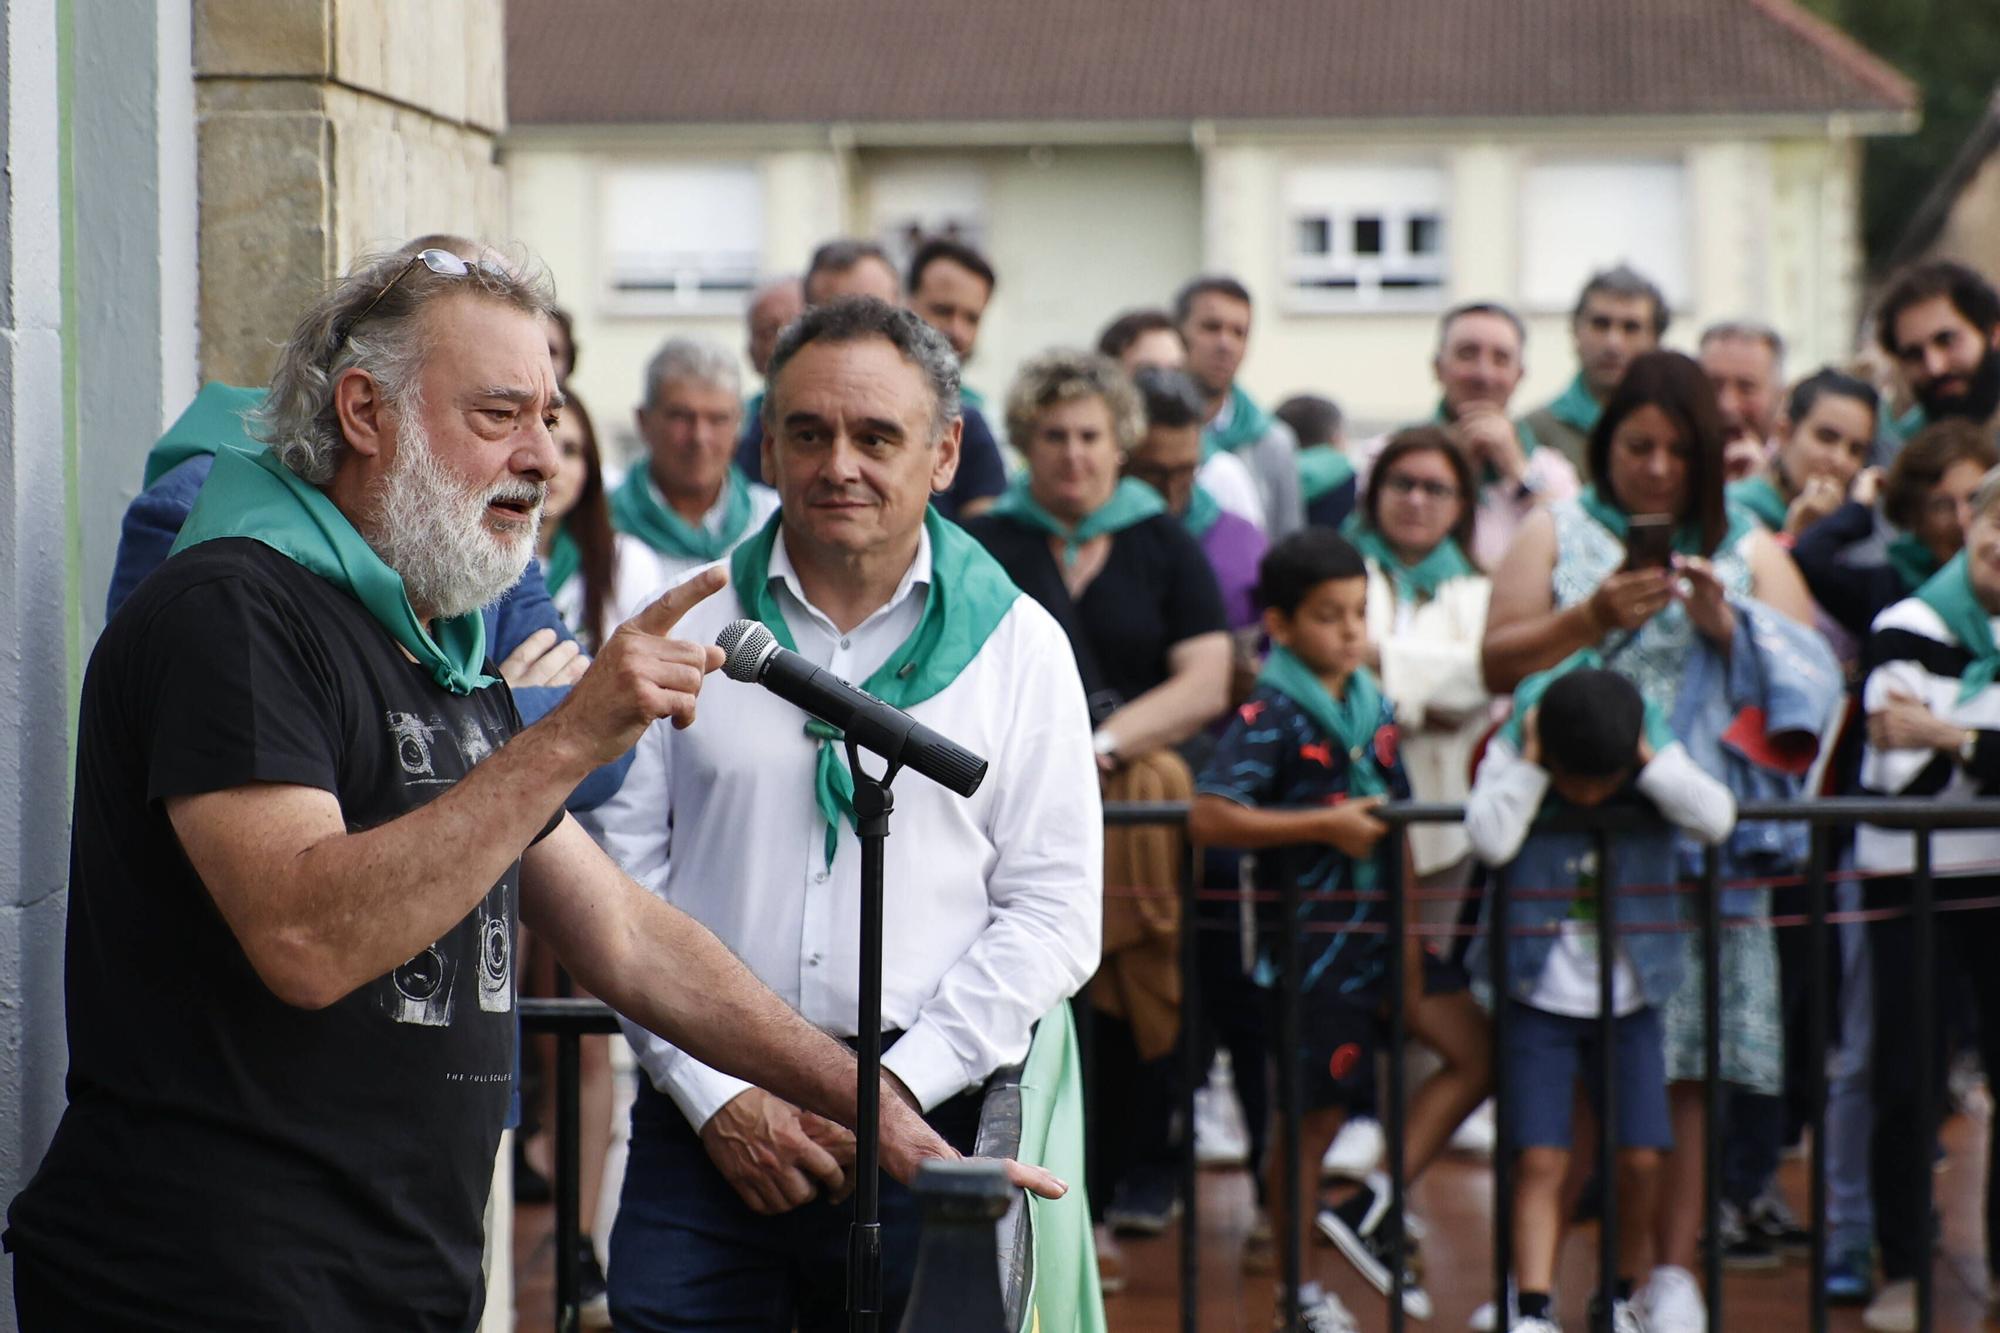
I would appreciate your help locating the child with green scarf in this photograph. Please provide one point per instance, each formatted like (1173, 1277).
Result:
(1296, 776)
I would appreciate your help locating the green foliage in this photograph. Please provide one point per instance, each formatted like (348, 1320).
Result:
(1951, 48)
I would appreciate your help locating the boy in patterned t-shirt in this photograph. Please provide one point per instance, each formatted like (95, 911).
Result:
(1294, 778)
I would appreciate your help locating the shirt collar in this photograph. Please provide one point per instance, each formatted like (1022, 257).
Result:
(711, 518)
(917, 575)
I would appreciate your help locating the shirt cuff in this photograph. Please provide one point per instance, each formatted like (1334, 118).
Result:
(700, 1091)
(927, 1065)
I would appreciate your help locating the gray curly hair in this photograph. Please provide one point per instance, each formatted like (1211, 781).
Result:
(298, 418)
(1064, 376)
(853, 318)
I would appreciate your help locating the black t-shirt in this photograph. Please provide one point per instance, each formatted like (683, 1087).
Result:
(1156, 590)
(227, 1160)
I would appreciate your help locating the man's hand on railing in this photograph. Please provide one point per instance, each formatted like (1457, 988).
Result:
(908, 1142)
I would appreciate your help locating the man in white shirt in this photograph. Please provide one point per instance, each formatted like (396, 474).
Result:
(685, 498)
(731, 1213)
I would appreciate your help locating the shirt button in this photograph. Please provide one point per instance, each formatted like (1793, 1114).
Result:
(813, 961)
(819, 876)
(846, 643)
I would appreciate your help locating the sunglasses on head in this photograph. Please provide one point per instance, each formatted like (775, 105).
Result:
(441, 262)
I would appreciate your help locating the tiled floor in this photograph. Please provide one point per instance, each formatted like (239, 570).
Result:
(1455, 1200)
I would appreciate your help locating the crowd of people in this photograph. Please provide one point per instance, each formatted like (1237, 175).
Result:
(1686, 582)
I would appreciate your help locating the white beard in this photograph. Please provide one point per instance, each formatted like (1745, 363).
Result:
(431, 529)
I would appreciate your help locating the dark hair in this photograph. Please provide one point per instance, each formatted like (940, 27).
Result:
(1301, 562)
(1218, 284)
(953, 250)
(1828, 381)
(1128, 328)
(1313, 419)
(1589, 722)
(1494, 308)
(1970, 294)
(1171, 397)
(1624, 281)
(855, 318)
(841, 254)
(567, 324)
(589, 525)
(1675, 384)
(1932, 452)
(1424, 440)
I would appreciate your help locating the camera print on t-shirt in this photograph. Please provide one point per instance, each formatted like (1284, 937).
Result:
(473, 964)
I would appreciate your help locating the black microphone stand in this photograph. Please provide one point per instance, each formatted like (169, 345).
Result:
(872, 803)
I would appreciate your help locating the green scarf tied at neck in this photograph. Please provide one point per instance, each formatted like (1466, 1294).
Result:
(1949, 593)
(636, 509)
(1413, 583)
(1687, 537)
(1248, 424)
(1132, 502)
(1761, 498)
(254, 495)
(1322, 470)
(214, 419)
(1659, 731)
(1913, 561)
(1202, 514)
(565, 558)
(1576, 407)
(972, 398)
(1351, 720)
(966, 599)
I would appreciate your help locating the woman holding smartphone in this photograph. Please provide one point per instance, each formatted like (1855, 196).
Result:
(1641, 567)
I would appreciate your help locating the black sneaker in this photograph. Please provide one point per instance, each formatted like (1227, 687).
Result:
(1367, 1246)
(593, 1304)
(1144, 1204)
(1744, 1248)
(1769, 1216)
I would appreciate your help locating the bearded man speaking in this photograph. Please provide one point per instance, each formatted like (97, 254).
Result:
(304, 824)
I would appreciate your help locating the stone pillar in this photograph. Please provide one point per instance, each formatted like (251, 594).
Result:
(328, 128)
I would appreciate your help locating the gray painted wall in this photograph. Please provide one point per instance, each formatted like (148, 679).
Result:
(34, 613)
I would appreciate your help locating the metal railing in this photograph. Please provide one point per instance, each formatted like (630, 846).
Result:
(570, 1019)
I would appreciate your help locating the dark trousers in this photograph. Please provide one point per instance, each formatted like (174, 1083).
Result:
(1756, 1126)
(687, 1252)
(1130, 1135)
(1968, 943)
(1235, 1013)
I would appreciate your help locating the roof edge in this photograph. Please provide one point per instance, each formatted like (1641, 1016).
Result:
(1841, 48)
(1928, 223)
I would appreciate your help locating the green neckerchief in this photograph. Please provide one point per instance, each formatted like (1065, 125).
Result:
(212, 420)
(1131, 502)
(1687, 537)
(1063, 1291)
(1202, 514)
(1912, 560)
(1949, 593)
(254, 495)
(565, 558)
(1761, 498)
(1576, 408)
(1248, 424)
(1351, 720)
(966, 598)
(1322, 470)
(1413, 583)
(972, 398)
(1903, 427)
(1659, 732)
(636, 509)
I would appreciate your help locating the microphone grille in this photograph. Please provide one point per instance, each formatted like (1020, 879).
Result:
(744, 644)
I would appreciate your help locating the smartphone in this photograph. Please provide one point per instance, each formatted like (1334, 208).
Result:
(1649, 541)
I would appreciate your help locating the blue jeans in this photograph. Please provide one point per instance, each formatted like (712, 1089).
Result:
(1850, 1110)
(687, 1252)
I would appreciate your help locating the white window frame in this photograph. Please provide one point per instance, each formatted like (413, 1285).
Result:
(713, 273)
(1658, 241)
(1396, 278)
(926, 198)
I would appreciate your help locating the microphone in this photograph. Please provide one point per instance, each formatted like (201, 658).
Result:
(752, 655)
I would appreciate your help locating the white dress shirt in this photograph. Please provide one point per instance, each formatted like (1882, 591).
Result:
(993, 907)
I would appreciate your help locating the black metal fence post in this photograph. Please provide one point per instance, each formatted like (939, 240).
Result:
(1924, 924)
(1291, 1106)
(1711, 1081)
(1192, 1076)
(1499, 945)
(1400, 886)
(1607, 1086)
(1817, 996)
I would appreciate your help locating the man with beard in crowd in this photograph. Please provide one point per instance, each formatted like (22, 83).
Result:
(1940, 322)
(1619, 316)
(305, 827)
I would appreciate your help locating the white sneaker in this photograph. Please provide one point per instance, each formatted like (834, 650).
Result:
(1672, 1302)
(1475, 1136)
(1535, 1325)
(1320, 1311)
(1220, 1136)
(1355, 1151)
(1894, 1309)
(1486, 1319)
(1625, 1319)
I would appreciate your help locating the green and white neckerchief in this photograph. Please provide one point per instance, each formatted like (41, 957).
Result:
(1762, 499)
(254, 495)
(565, 558)
(1351, 720)
(1949, 593)
(1202, 514)
(1323, 469)
(636, 508)
(967, 597)
(1131, 502)
(214, 420)
(1247, 424)
(1413, 583)
(1576, 408)
(1913, 561)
